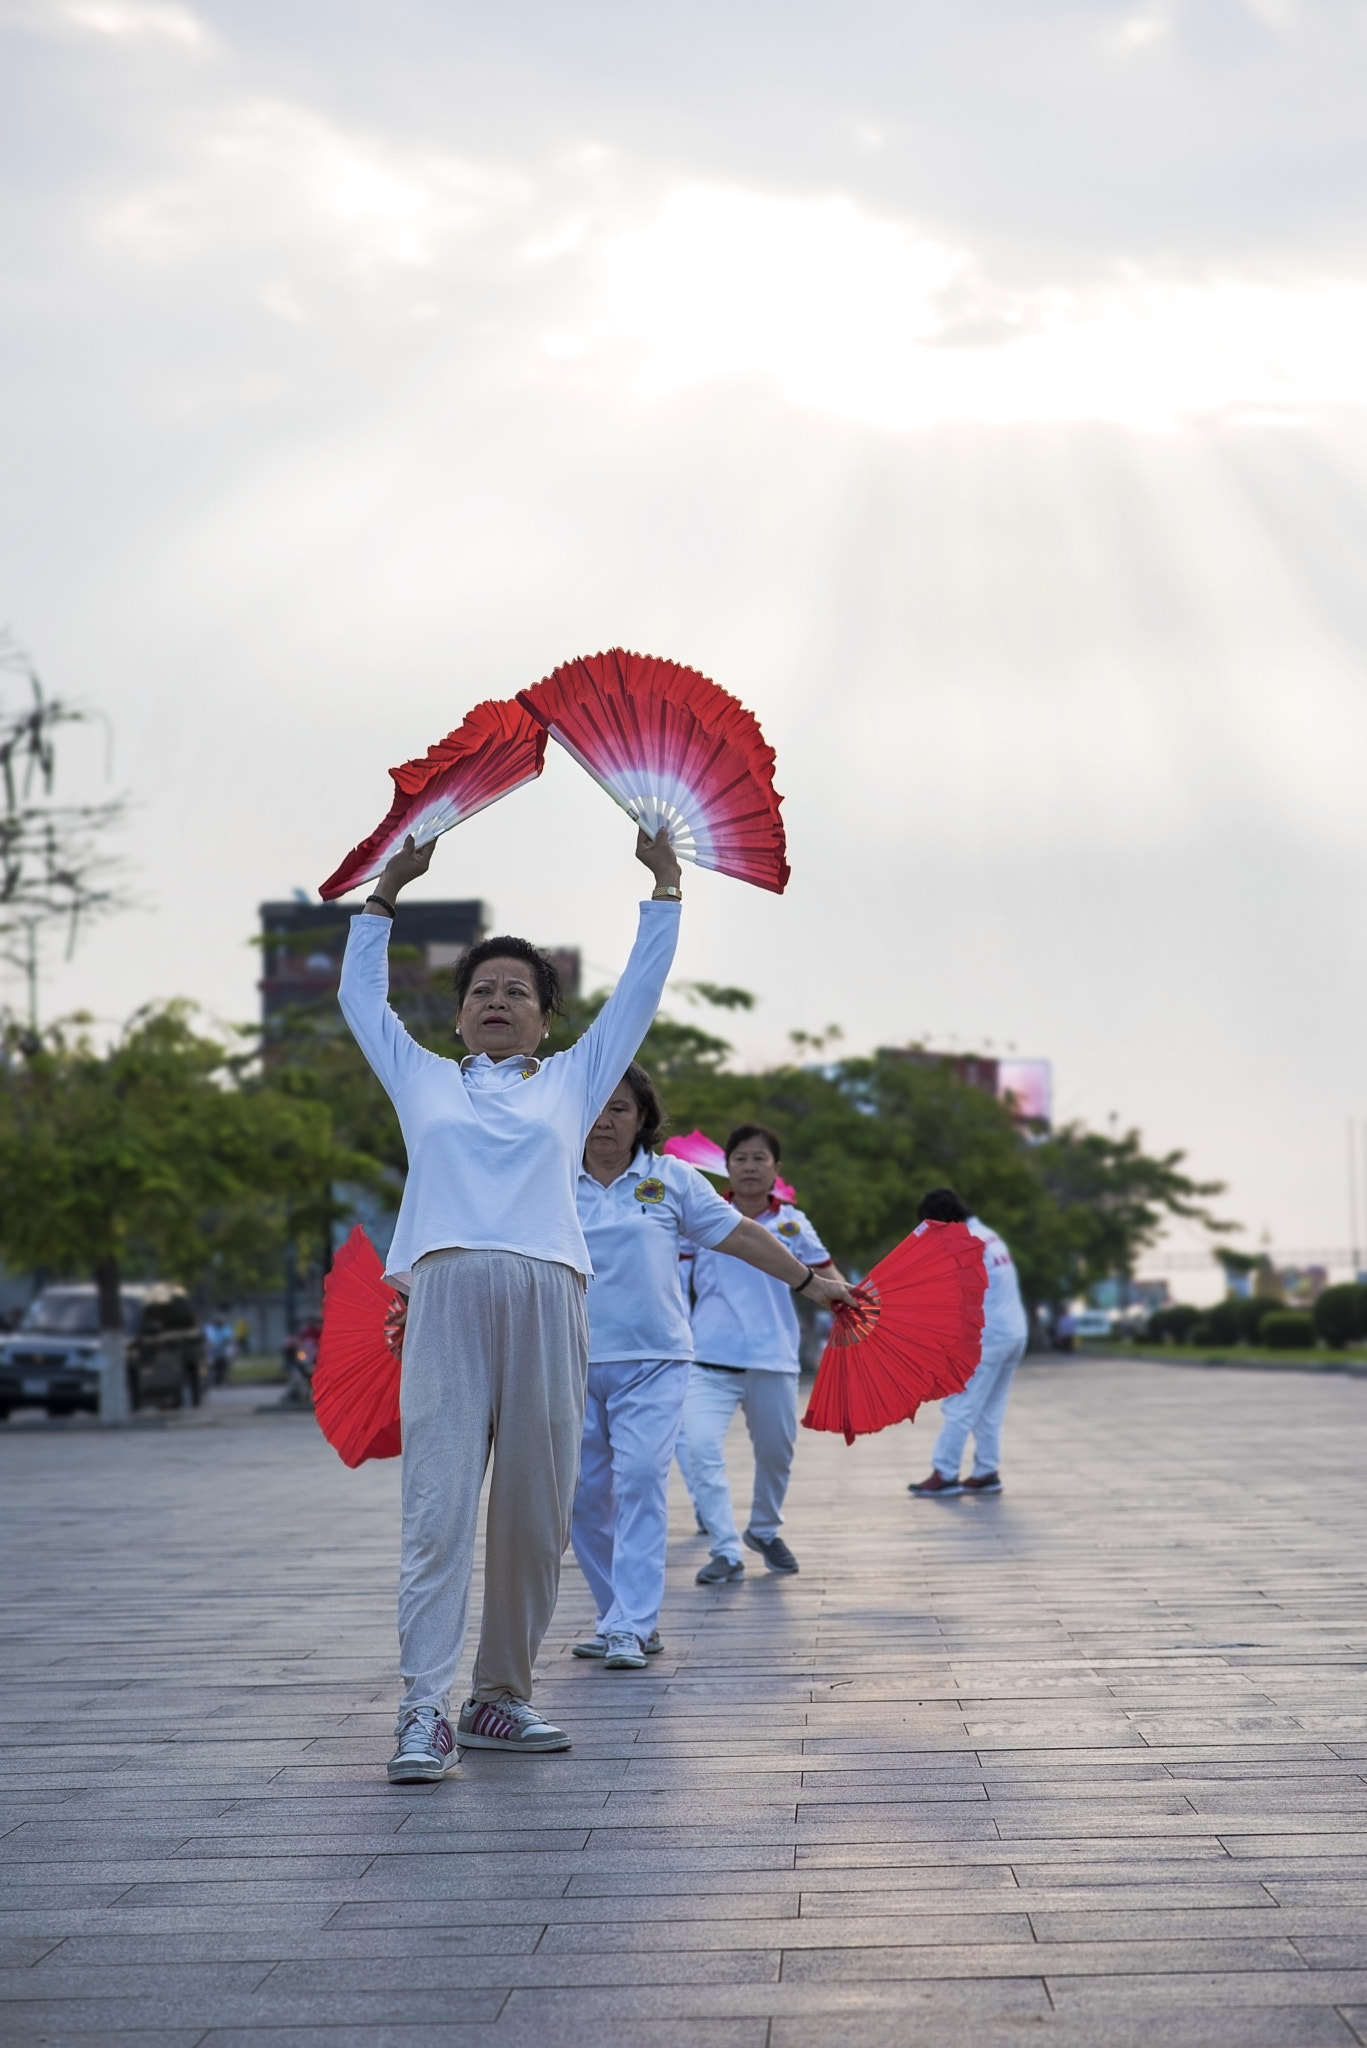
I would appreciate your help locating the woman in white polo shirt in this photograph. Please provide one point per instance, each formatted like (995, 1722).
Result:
(745, 1334)
(489, 1249)
(635, 1205)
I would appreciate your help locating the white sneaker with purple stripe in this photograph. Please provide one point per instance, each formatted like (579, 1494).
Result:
(427, 1748)
(506, 1724)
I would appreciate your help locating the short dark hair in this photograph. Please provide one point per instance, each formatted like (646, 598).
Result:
(652, 1111)
(504, 947)
(942, 1205)
(743, 1134)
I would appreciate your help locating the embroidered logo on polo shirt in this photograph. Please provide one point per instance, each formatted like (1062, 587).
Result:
(532, 1068)
(788, 1229)
(651, 1190)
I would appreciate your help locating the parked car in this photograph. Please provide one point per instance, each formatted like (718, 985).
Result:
(1093, 1322)
(52, 1360)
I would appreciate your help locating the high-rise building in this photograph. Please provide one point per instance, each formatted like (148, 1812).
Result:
(302, 945)
(1026, 1084)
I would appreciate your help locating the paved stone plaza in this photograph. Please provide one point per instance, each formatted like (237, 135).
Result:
(1086, 1763)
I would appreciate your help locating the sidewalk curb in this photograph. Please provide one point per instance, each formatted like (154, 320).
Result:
(1355, 1369)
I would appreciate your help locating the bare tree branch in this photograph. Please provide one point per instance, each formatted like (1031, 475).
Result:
(54, 864)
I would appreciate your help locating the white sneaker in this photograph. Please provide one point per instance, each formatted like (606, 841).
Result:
(625, 1652)
(427, 1748)
(507, 1724)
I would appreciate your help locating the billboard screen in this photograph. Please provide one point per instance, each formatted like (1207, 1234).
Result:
(1029, 1083)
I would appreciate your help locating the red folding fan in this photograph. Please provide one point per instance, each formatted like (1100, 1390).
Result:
(915, 1336)
(672, 749)
(356, 1378)
(493, 752)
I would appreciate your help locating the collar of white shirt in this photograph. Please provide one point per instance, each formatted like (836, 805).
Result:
(477, 1067)
(640, 1159)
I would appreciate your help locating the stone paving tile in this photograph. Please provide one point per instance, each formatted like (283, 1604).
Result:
(1203, 2027)
(864, 1931)
(1060, 1765)
(47, 2033)
(56, 1978)
(517, 2032)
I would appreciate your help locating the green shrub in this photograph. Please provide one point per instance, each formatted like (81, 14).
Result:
(1287, 1330)
(1170, 1325)
(1201, 1333)
(1223, 1322)
(1251, 1312)
(1339, 1314)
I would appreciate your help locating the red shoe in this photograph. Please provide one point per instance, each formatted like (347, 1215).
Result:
(937, 1484)
(991, 1482)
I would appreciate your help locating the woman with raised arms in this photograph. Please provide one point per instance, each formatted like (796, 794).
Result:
(489, 1248)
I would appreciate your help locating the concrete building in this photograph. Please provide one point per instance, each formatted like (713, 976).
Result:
(302, 945)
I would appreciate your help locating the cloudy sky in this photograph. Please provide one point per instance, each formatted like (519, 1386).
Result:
(976, 388)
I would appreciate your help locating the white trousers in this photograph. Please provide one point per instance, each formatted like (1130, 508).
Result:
(621, 1518)
(978, 1410)
(769, 1401)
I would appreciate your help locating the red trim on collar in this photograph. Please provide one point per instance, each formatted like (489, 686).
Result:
(773, 1208)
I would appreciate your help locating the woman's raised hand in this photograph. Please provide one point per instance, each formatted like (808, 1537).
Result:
(659, 856)
(405, 866)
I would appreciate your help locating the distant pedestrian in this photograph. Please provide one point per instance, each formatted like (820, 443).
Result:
(221, 1346)
(745, 1333)
(979, 1409)
(299, 1354)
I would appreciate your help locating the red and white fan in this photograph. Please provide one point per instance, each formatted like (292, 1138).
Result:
(672, 749)
(493, 752)
(695, 1148)
(915, 1336)
(360, 1355)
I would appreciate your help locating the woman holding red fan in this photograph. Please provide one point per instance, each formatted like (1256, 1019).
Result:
(489, 1246)
(635, 1204)
(745, 1332)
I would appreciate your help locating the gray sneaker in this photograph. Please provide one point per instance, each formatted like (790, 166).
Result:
(719, 1571)
(773, 1550)
(507, 1724)
(597, 1646)
(427, 1748)
(625, 1652)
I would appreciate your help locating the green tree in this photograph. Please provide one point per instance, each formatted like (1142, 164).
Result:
(165, 1151)
(862, 1138)
(1112, 1200)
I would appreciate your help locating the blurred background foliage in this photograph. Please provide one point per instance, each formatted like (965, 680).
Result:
(862, 1138)
(212, 1158)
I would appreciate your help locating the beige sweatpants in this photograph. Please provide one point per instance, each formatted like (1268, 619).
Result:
(495, 1357)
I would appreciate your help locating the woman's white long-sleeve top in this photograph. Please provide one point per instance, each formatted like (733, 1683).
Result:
(494, 1146)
